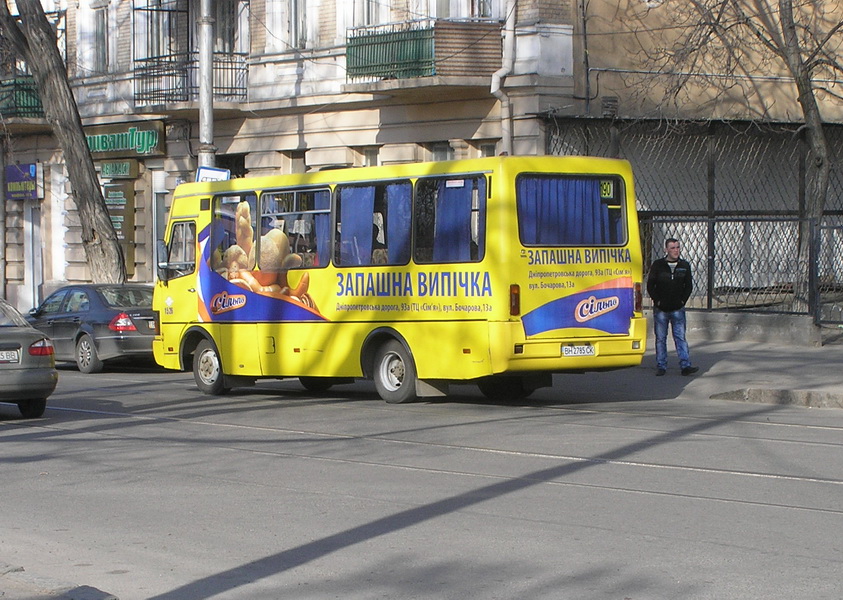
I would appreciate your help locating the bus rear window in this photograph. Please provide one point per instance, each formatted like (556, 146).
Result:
(556, 210)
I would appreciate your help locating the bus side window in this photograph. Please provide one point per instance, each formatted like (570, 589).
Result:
(373, 225)
(450, 219)
(181, 254)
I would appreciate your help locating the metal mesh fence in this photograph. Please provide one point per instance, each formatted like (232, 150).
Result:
(738, 264)
(731, 193)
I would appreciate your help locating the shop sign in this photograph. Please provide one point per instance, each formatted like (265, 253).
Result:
(126, 140)
(24, 182)
(120, 169)
(120, 202)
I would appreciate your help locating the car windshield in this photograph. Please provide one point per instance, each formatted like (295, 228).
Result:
(10, 317)
(122, 297)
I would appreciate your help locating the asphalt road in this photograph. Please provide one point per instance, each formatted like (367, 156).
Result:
(136, 484)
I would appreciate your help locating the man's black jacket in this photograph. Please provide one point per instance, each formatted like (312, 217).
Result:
(669, 290)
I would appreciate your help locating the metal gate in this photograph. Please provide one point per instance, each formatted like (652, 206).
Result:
(827, 269)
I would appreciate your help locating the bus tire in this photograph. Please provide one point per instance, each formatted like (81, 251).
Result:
(316, 384)
(503, 387)
(395, 373)
(207, 369)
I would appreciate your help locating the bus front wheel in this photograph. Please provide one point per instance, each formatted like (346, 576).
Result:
(395, 373)
(207, 369)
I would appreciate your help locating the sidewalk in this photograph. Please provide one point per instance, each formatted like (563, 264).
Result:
(18, 584)
(729, 371)
(810, 376)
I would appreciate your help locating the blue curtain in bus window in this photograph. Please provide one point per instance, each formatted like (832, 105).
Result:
(452, 230)
(356, 207)
(562, 212)
(323, 228)
(399, 212)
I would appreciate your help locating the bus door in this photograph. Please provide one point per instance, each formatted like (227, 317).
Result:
(177, 298)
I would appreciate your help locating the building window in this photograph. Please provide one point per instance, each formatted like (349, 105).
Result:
(298, 24)
(100, 54)
(481, 8)
(93, 45)
(441, 151)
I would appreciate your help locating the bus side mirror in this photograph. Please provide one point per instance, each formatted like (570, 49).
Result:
(163, 265)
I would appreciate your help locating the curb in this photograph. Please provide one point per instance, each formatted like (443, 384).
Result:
(17, 584)
(807, 398)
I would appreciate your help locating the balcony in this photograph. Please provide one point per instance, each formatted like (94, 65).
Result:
(19, 98)
(163, 80)
(424, 49)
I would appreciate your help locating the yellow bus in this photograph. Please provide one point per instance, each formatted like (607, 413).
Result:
(493, 271)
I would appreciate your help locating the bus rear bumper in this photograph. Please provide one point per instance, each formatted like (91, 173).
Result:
(514, 353)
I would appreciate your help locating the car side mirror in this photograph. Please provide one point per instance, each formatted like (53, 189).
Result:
(163, 265)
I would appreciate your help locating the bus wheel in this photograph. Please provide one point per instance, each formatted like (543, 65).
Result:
(207, 369)
(395, 373)
(503, 387)
(316, 384)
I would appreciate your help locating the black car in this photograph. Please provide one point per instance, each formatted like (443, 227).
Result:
(93, 323)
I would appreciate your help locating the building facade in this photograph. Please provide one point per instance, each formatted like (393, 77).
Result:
(309, 84)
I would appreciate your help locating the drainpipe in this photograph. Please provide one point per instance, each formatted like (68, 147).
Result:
(501, 74)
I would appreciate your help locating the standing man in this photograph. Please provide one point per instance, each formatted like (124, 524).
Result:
(669, 284)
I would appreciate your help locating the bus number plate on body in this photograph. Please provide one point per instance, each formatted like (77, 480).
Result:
(9, 356)
(578, 350)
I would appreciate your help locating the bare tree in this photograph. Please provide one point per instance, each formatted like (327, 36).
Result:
(33, 38)
(749, 57)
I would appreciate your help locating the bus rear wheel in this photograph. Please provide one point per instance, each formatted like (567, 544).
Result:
(503, 387)
(207, 369)
(395, 373)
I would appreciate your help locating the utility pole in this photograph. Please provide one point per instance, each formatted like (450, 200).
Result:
(207, 150)
(2, 217)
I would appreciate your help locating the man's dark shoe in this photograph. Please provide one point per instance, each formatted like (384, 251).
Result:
(690, 370)
(660, 372)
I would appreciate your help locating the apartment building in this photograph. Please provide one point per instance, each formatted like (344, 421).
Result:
(310, 84)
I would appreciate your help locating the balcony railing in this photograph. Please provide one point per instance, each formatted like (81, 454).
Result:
(175, 78)
(391, 51)
(19, 98)
(423, 49)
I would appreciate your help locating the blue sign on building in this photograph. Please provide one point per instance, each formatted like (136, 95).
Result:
(22, 182)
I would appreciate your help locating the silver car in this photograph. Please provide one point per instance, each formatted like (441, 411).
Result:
(27, 363)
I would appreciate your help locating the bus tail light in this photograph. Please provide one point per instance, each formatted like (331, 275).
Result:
(514, 300)
(639, 301)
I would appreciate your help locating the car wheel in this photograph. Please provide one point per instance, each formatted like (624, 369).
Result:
(207, 369)
(86, 355)
(503, 387)
(395, 373)
(32, 409)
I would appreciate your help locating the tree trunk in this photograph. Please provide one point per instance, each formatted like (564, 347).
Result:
(818, 165)
(35, 39)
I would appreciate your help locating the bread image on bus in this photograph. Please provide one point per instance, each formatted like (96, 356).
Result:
(496, 271)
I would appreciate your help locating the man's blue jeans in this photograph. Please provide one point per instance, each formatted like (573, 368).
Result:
(676, 320)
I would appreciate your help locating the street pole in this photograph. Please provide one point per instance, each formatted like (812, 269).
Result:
(2, 217)
(207, 149)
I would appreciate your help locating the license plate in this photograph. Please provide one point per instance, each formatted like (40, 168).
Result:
(577, 350)
(9, 356)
